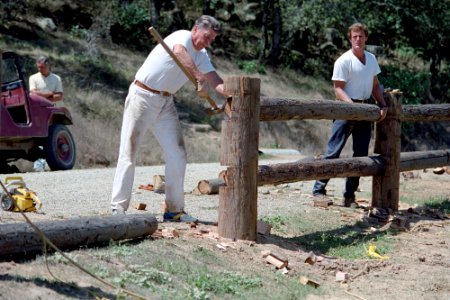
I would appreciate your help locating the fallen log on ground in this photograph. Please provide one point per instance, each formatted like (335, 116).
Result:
(210, 186)
(21, 238)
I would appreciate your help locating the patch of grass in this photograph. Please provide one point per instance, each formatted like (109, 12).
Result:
(349, 242)
(277, 222)
(101, 271)
(205, 254)
(145, 277)
(122, 250)
(57, 258)
(225, 283)
(439, 203)
(435, 202)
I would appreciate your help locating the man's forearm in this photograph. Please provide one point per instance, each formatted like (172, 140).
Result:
(187, 62)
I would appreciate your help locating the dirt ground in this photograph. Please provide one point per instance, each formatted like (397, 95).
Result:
(418, 266)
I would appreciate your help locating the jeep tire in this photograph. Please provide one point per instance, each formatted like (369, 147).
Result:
(59, 148)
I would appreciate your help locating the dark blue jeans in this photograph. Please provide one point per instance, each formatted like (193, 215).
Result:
(342, 129)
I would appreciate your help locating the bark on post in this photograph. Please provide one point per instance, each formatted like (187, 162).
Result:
(240, 136)
(385, 187)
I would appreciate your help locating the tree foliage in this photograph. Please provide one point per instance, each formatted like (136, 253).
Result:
(306, 35)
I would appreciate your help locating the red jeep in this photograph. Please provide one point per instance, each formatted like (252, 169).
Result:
(31, 126)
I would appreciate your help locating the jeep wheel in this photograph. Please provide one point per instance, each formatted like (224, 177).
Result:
(60, 148)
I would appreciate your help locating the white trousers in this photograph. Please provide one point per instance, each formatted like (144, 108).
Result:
(144, 110)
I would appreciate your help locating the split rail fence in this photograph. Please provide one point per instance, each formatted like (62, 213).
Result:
(239, 150)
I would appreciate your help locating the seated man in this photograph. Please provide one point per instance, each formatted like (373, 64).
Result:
(45, 83)
(48, 85)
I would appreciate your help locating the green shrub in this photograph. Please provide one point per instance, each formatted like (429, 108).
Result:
(414, 84)
(252, 67)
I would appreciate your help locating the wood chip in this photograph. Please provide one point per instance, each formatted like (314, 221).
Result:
(279, 263)
(439, 171)
(306, 281)
(265, 253)
(341, 276)
(140, 206)
(170, 233)
(311, 259)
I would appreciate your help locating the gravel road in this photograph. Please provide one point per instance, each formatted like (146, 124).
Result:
(74, 193)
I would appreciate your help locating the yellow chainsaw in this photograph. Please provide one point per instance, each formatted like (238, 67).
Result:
(17, 197)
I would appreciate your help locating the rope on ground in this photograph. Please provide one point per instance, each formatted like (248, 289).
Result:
(354, 295)
(46, 241)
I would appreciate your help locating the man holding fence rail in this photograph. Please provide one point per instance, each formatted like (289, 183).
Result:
(355, 81)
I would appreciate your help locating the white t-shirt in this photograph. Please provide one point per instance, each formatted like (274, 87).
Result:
(358, 77)
(160, 72)
(51, 83)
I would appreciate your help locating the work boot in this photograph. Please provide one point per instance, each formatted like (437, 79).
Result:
(179, 217)
(117, 212)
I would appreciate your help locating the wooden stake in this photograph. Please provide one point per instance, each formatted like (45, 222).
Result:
(385, 186)
(240, 135)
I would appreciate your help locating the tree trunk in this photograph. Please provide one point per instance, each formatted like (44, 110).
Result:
(22, 238)
(155, 7)
(276, 33)
(264, 34)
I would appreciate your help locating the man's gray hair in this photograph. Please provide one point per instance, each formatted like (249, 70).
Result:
(43, 59)
(208, 22)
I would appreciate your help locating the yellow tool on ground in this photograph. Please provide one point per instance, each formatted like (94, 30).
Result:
(17, 197)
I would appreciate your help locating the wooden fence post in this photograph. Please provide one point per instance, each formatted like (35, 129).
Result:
(385, 187)
(240, 136)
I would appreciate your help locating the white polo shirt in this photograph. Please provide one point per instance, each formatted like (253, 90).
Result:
(358, 77)
(160, 72)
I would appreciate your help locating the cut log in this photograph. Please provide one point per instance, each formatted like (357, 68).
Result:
(346, 167)
(282, 109)
(319, 169)
(210, 186)
(21, 238)
(159, 183)
(427, 112)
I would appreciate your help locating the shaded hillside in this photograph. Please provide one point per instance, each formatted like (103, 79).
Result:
(87, 49)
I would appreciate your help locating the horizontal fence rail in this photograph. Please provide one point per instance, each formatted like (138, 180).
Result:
(283, 109)
(239, 146)
(347, 167)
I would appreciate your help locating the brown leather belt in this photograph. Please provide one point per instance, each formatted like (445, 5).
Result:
(361, 101)
(143, 86)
